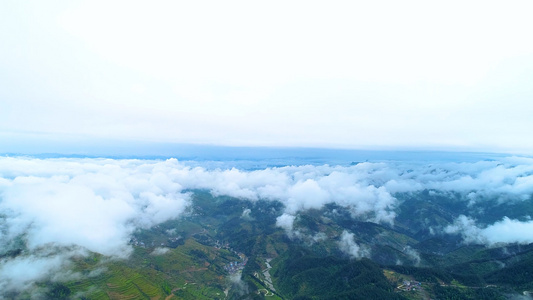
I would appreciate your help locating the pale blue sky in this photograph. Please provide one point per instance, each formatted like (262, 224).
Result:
(454, 75)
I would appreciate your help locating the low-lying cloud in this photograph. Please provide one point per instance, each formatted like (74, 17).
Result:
(505, 231)
(20, 272)
(348, 245)
(95, 204)
(66, 204)
(160, 251)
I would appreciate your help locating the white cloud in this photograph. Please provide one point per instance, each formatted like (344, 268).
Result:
(348, 245)
(306, 195)
(91, 203)
(95, 204)
(509, 231)
(150, 192)
(238, 284)
(319, 237)
(49, 211)
(20, 272)
(467, 228)
(413, 254)
(505, 231)
(160, 251)
(246, 214)
(286, 222)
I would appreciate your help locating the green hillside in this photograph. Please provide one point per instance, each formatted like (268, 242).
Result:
(216, 251)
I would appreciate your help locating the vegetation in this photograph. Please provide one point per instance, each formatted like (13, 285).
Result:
(301, 275)
(188, 258)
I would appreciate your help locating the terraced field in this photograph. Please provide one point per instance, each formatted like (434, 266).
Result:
(190, 271)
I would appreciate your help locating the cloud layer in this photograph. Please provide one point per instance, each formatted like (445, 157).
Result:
(94, 204)
(74, 205)
(68, 201)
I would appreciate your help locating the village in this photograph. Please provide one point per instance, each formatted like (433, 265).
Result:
(410, 285)
(232, 267)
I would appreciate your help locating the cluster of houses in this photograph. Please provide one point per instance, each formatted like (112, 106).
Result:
(232, 267)
(224, 245)
(235, 266)
(410, 285)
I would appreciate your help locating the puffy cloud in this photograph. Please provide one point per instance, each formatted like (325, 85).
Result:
(301, 188)
(95, 204)
(48, 211)
(466, 227)
(503, 179)
(286, 222)
(147, 189)
(504, 231)
(42, 192)
(305, 195)
(509, 231)
(348, 245)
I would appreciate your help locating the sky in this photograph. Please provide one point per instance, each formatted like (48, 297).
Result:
(428, 75)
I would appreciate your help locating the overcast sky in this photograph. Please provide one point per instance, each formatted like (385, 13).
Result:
(370, 74)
